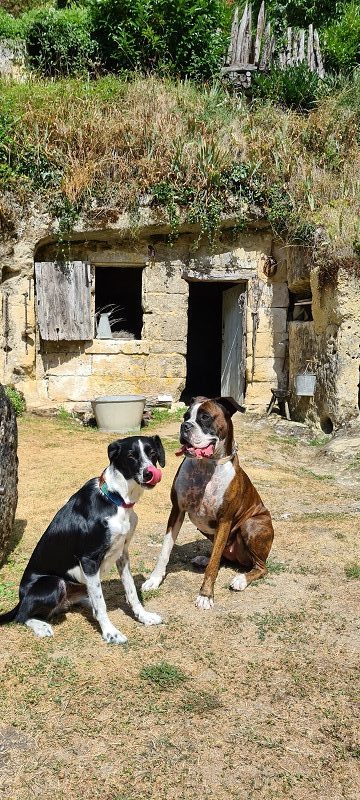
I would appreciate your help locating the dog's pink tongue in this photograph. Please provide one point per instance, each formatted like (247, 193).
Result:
(199, 452)
(155, 476)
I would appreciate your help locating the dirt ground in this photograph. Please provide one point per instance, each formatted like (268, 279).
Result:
(255, 699)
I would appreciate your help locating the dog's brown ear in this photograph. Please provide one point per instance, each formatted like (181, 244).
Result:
(114, 449)
(230, 405)
(159, 450)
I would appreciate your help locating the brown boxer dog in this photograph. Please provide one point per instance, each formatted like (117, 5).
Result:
(219, 498)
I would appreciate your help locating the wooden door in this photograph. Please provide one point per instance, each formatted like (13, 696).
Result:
(233, 352)
(63, 301)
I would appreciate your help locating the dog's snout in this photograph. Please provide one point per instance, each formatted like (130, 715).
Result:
(185, 427)
(147, 475)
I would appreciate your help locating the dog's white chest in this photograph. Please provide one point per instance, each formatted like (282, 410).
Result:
(120, 525)
(201, 487)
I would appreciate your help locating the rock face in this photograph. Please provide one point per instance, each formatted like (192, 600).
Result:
(8, 470)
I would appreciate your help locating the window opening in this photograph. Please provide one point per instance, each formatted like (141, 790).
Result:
(118, 295)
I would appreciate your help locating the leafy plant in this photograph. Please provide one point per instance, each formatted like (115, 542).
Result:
(16, 399)
(352, 571)
(169, 36)
(294, 87)
(59, 42)
(163, 675)
(341, 39)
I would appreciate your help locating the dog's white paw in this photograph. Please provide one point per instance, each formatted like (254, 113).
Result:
(113, 636)
(40, 627)
(239, 583)
(151, 583)
(200, 561)
(150, 618)
(203, 602)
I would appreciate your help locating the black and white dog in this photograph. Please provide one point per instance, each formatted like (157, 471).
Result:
(86, 537)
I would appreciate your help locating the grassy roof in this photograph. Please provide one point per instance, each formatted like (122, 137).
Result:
(100, 145)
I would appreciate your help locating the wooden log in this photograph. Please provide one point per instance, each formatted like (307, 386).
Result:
(259, 32)
(233, 36)
(288, 47)
(301, 45)
(319, 62)
(240, 36)
(246, 48)
(264, 59)
(310, 49)
(295, 49)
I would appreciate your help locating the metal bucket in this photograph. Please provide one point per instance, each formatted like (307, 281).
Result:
(305, 384)
(119, 414)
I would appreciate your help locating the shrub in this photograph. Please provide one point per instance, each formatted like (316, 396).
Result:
(175, 36)
(293, 87)
(16, 399)
(59, 42)
(10, 28)
(341, 40)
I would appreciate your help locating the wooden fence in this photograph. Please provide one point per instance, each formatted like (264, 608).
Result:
(255, 49)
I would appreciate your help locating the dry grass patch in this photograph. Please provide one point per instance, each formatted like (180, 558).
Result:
(254, 699)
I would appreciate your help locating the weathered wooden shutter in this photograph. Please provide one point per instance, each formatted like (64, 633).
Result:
(63, 300)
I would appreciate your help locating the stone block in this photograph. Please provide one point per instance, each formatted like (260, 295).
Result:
(166, 366)
(63, 364)
(165, 277)
(123, 366)
(258, 395)
(268, 370)
(267, 345)
(169, 328)
(169, 347)
(274, 295)
(135, 347)
(162, 303)
(271, 320)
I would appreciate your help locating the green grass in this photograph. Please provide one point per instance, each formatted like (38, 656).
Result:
(200, 702)
(276, 567)
(162, 415)
(163, 675)
(308, 473)
(352, 571)
(318, 442)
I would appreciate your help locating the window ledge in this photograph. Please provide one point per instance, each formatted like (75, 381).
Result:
(114, 346)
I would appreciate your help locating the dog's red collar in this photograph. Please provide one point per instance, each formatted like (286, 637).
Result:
(114, 497)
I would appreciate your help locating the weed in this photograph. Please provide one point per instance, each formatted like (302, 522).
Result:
(352, 571)
(276, 567)
(315, 475)
(163, 675)
(316, 442)
(200, 702)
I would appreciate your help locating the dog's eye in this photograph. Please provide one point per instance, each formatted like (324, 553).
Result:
(131, 457)
(152, 454)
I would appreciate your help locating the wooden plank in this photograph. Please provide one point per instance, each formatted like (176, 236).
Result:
(301, 45)
(319, 62)
(63, 301)
(264, 60)
(259, 32)
(288, 47)
(245, 57)
(233, 37)
(240, 36)
(310, 49)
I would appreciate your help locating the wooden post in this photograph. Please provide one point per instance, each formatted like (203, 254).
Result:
(319, 62)
(259, 33)
(233, 36)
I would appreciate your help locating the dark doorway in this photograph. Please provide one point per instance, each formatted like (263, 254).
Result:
(118, 291)
(204, 340)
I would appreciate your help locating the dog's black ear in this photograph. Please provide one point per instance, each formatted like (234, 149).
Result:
(229, 404)
(114, 450)
(159, 449)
